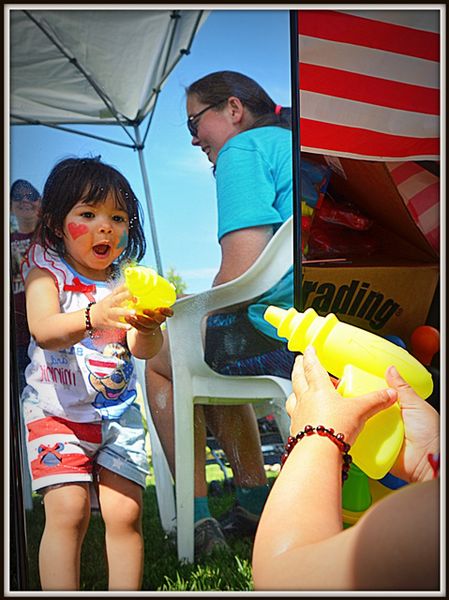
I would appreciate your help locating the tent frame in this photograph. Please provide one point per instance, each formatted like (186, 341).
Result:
(137, 142)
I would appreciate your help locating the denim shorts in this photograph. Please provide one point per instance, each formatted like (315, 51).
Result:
(233, 346)
(62, 451)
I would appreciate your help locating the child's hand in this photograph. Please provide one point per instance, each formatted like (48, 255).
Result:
(110, 312)
(150, 321)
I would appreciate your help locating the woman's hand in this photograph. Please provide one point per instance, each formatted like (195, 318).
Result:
(110, 313)
(315, 400)
(422, 431)
(150, 321)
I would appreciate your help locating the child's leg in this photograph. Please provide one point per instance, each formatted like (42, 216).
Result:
(67, 513)
(121, 508)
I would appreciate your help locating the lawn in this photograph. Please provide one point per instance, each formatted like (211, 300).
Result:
(162, 570)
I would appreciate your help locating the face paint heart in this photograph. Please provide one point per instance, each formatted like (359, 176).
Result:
(76, 230)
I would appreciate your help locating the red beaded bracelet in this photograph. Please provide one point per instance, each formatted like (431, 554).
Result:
(338, 440)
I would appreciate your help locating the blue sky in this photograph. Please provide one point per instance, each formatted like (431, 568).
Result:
(255, 42)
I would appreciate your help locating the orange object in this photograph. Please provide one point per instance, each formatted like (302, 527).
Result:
(425, 343)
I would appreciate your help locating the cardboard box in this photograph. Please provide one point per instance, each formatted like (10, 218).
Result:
(390, 292)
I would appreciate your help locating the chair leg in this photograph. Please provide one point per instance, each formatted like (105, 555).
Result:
(281, 417)
(162, 475)
(184, 461)
(164, 481)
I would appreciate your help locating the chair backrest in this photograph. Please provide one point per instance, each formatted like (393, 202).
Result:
(185, 327)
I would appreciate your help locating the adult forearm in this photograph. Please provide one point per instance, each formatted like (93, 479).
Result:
(304, 506)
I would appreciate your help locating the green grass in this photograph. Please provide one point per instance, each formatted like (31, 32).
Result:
(162, 571)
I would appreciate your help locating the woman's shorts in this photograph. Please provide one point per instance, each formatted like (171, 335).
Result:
(62, 451)
(233, 346)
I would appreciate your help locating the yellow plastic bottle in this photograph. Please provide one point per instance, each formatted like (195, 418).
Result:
(151, 290)
(359, 359)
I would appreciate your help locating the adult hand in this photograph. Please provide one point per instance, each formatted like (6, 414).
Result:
(315, 400)
(422, 431)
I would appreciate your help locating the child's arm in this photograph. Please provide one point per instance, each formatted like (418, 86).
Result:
(145, 337)
(54, 330)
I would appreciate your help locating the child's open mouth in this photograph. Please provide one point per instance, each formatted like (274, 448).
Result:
(101, 250)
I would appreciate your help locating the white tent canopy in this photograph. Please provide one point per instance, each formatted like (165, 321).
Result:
(96, 67)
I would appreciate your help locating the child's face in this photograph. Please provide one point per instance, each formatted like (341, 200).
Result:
(94, 236)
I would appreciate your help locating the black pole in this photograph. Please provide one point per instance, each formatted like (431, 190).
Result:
(296, 147)
(17, 524)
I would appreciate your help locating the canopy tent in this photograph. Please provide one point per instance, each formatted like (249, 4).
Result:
(98, 67)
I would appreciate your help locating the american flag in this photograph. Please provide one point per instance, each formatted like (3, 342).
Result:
(369, 83)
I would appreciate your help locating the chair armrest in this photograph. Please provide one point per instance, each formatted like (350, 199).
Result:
(270, 266)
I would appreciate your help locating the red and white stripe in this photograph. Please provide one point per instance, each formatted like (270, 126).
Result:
(420, 191)
(369, 83)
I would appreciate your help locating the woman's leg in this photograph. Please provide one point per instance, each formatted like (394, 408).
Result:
(160, 399)
(121, 508)
(67, 514)
(236, 430)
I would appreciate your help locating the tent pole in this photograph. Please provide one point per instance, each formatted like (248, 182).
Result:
(146, 186)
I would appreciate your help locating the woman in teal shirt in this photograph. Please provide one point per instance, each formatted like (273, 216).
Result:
(247, 137)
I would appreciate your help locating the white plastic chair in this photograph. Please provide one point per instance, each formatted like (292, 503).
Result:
(194, 382)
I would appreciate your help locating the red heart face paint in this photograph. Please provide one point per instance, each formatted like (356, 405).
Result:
(76, 230)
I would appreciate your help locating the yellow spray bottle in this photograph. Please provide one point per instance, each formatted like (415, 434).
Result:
(359, 359)
(151, 290)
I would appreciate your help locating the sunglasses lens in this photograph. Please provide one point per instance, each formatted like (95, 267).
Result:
(192, 128)
(31, 197)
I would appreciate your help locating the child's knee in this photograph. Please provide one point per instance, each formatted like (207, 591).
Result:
(123, 515)
(67, 506)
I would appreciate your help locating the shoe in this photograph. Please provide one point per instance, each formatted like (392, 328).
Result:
(208, 537)
(238, 521)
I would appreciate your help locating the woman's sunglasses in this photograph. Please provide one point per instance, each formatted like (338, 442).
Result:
(30, 196)
(192, 122)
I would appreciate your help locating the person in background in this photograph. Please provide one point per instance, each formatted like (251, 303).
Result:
(247, 138)
(300, 543)
(84, 427)
(25, 203)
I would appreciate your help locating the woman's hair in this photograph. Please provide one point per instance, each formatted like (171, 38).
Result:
(221, 85)
(88, 180)
(22, 185)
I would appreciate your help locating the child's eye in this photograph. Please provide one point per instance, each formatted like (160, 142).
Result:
(87, 214)
(119, 219)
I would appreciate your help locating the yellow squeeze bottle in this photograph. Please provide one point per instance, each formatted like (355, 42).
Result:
(151, 290)
(359, 359)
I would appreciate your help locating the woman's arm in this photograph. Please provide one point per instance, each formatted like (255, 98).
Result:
(394, 546)
(239, 250)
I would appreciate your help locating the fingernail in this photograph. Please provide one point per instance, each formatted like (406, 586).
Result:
(393, 371)
(391, 393)
(310, 351)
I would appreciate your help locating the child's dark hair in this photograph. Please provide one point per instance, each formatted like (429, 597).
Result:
(219, 86)
(89, 180)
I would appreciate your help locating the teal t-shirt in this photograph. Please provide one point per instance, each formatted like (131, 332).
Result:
(254, 188)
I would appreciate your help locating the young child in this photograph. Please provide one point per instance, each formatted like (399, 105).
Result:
(83, 425)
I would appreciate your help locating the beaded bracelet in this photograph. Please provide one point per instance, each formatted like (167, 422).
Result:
(338, 440)
(89, 328)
